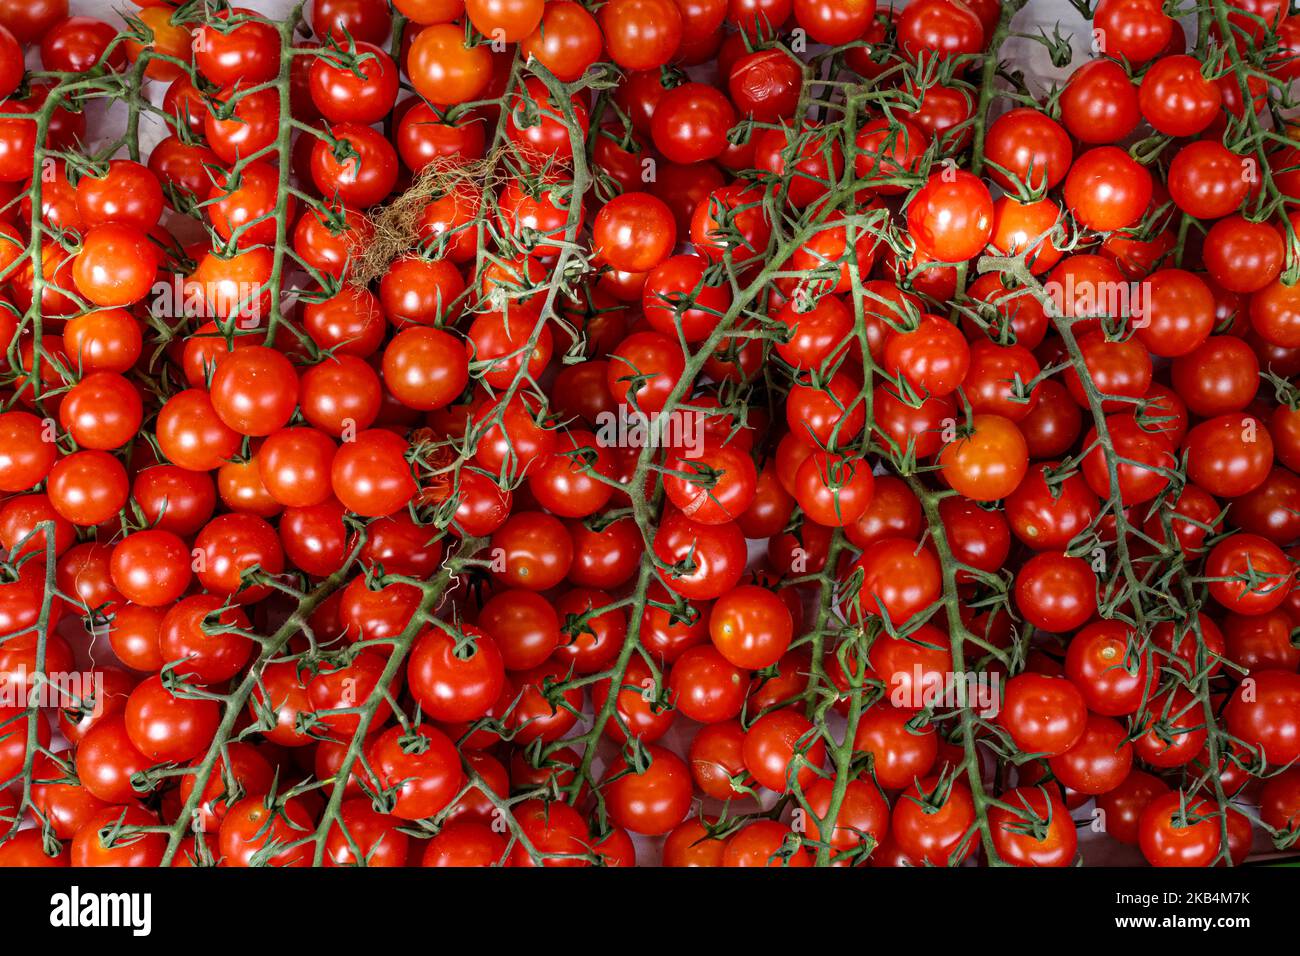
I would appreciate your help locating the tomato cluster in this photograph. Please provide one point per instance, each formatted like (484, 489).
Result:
(716, 432)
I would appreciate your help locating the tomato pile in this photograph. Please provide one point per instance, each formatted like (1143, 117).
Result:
(708, 432)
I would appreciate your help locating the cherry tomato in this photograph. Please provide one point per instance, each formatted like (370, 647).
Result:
(1038, 830)
(1175, 831)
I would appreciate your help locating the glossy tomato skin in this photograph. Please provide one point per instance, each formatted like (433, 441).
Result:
(616, 848)
(1056, 592)
(689, 845)
(1280, 800)
(536, 717)
(679, 276)
(174, 499)
(1261, 641)
(943, 28)
(1031, 148)
(1048, 517)
(1099, 761)
(374, 835)
(78, 44)
(566, 41)
(363, 179)
(243, 763)
(751, 627)
(524, 626)
(782, 746)
(252, 123)
(1205, 180)
(535, 549)
(705, 686)
(717, 759)
(1179, 314)
(750, 232)
(1124, 805)
(443, 70)
(989, 463)
(370, 475)
(360, 19)
(282, 694)
(249, 51)
(1173, 731)
(425, 368)
(1103, 662)
(464, 843)
(979, 538)
(716, 556)
(1243, 256)
(902, 748)
(1167, 838)
(25, 458)
(933, 358)
(1106, 189)
(634, 232)
(254, 390)
(66, 806)
(342, 96)
(1045, 715)
(426, 775)
(558, 835)
(294, 465)
(1262, 511)
(343, 685)
(593, 630)
(106, 760)
(1264, 712)
(1249, 574)
(951, 217)
(819, 160)
(766, 84)
(916, 429)
(256, 825)
(691, 122)
(604, 558)
(654, 801)
(87, 487)
(1218, 377)
(102, 411)
(168, 726)
(1142, 452)
(1138, 29)
(933, 832)
(314, 537)
(765, 843)
(233, 544)
(1051, 840)
(712, 486)
(1120, 369)
(900, 578)
(896, 662)
(863, 816)
(1230, 455)
(640, 706)
(341, 393)
(990, 383)
(89, 848)
(831, 416)
(641, 34)
(151, 568)
(455, 680)
(1176, 98)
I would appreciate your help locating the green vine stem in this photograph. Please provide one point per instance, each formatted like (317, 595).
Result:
(1148, 584)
